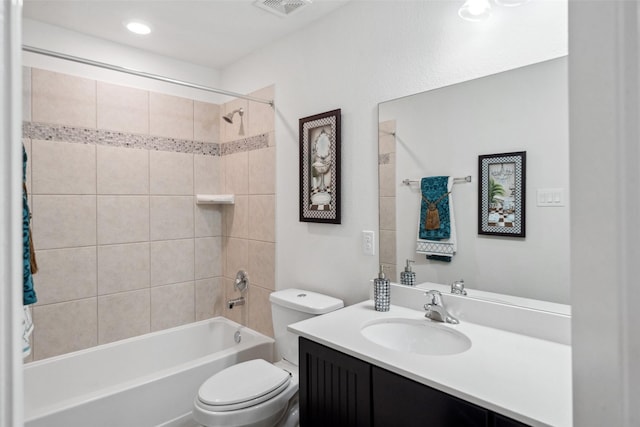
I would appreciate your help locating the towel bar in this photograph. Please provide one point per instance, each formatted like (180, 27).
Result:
(455, 180)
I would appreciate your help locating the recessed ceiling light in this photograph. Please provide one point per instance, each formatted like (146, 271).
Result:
(138, 27)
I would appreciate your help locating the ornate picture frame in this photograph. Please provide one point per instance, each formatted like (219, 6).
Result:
(320, 168)
(501, 194)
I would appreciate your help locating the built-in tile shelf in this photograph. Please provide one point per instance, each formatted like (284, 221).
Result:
(215, 199)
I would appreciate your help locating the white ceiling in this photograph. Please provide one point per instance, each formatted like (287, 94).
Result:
(212, 33)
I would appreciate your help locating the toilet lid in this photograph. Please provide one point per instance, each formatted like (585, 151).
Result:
(242, 385)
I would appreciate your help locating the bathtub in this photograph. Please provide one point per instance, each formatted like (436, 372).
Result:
(149, 380)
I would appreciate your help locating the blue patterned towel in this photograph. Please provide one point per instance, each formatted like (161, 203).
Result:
(28, 293)
(434, 189)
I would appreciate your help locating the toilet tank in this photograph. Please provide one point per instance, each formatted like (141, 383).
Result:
(293, 305)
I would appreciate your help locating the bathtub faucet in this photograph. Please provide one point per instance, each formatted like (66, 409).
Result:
(236, 301)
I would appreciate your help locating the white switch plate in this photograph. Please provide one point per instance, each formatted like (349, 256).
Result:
(368, 242)
(547, 197)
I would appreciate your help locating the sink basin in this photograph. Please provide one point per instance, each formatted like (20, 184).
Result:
(416, 336)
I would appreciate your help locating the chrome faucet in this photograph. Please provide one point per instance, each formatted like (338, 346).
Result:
(457, 287)
(236, 301)
(435, 309)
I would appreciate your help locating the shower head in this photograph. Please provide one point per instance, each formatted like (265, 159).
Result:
(229, 117)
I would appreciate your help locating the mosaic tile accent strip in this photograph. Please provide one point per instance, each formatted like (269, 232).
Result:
(49, 132)
(245, 144)
(384, 159)
(78, 135)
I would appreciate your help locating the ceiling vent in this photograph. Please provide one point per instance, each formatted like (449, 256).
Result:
(282, 7)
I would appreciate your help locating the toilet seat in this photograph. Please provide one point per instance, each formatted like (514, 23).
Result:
(243, 385)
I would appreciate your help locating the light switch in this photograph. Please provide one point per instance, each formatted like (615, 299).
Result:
(368, 242)
(549, 197)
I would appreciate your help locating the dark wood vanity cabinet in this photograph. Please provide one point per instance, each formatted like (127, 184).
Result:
(335, 389)
(341, 390)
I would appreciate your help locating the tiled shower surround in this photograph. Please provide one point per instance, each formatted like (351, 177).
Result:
(387, 198)
(122, 247)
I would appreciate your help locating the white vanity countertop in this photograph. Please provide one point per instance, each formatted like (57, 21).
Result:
(521, 377)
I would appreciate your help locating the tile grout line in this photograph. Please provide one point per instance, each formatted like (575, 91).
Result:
(148, 93)
(96, 248)
(149, 213)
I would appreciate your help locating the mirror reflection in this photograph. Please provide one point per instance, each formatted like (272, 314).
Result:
(443, 132)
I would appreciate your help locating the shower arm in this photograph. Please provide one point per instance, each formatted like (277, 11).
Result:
(143, 74)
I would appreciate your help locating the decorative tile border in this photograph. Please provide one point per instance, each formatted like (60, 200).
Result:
(245, 144)
(384, 159)
(79, 135)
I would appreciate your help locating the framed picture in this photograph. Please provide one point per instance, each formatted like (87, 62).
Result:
(320, 168)
(501, 194)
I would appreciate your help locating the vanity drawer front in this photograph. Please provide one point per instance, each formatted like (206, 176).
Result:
(334, 388)
(502, 421)
(398, 401)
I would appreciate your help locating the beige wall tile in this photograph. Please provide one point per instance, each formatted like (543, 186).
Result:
(262, 116)
(262, 167)
(237, 255)
(238, 313)
(123, 109)
(172, 305)
(208, 257)
(237, 218)
(65, 274)
(262, 219)
(231, 131)
(170, 116)
(63, 168)
(386, 139)
(387, 213)
(123, 219)
(260, 311)
(122, 170)
(387, 247)
(171, 217)
(209, 298)
(208, 220)
(26, 94)
(124, 315)
(62, 99)
(63, 221)
(262, 263)
(207, 174)
(272, 139)
(171, 173)
(237, 173)
(65, 327)
(206, 122)
(387, 178)
(172, 261)
(123, 267)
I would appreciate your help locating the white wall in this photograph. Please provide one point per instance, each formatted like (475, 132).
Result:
(443, 131)
(605, 153)
(57, 39)
(365, 53)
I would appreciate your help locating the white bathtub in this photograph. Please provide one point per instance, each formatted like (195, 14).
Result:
(143, 381)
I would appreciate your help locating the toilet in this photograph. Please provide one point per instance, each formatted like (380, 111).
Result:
(258, 393)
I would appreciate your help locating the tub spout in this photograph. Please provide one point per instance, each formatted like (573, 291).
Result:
(236, 301)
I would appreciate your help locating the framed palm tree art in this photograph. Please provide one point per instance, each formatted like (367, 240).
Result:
(501, 194)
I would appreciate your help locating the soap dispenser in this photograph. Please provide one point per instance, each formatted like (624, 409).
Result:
(381, 292)
(408, 277)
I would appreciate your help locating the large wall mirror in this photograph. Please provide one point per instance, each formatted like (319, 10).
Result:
(442, 132)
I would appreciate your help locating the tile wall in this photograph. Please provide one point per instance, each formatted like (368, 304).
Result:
(387, 201)
(122, 247)
(249, 225)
